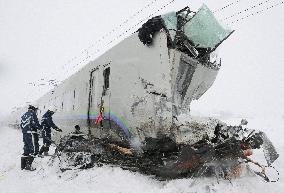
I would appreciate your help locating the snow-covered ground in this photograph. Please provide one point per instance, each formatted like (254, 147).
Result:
(47, 178)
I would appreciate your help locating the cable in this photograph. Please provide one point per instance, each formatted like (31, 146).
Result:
(117, 27)
(113, 30)
(124, 22)
(141, 21)
(245, 10)
(225, 7)
(258, 12)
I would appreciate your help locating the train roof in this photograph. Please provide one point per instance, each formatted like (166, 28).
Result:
(201, 30)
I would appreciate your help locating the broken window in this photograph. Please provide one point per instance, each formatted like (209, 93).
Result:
(194, 33)
(106, 74)
(204, 30)
(170, 21)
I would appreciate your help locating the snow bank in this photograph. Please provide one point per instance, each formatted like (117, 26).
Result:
(48, 178)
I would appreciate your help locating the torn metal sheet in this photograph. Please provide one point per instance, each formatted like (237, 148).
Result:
(269, 150)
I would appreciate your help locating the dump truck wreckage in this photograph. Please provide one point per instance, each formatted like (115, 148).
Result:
(186, 148)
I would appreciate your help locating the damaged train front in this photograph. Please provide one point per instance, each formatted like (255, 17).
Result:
(192, 146)
(204, 145)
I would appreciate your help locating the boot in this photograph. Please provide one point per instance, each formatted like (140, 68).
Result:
(46, 150)
(23, 162)
(41, 150)
(30, 160)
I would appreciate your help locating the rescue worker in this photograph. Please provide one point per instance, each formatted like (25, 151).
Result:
(29, 126)
(47, 123)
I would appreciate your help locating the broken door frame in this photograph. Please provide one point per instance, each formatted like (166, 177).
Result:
(89, 99)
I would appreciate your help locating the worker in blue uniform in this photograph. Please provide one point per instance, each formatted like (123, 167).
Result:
(29, 126)
(47, 123)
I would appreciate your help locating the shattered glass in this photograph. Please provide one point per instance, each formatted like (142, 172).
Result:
(204, 30)
(170, 21)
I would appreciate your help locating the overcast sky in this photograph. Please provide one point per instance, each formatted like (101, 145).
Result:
(38, 39)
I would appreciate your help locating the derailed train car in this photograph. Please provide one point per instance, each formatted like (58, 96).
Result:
(145, 82)
(143, 86)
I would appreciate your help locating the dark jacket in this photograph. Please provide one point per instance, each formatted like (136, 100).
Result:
(47, 122)
(29, 122)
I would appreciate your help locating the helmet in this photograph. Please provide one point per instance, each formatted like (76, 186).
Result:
(31, 107)
(50, 112)
(244, 122)
(52, 109)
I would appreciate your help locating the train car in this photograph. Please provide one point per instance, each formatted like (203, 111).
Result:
(133, 104)
(142, 85)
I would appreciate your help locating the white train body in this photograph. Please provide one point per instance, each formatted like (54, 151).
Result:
(144, 94)
(143, 90)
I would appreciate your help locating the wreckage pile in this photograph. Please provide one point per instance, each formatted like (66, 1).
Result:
(192, 149)
(222, 156)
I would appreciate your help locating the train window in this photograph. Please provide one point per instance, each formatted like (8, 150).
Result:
(106, 74)
(74, 94)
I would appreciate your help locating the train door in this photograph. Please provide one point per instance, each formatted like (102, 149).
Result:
(105, 97)
(93, 98)
(99, 99)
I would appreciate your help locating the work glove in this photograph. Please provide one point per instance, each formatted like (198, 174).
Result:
(59, 130)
